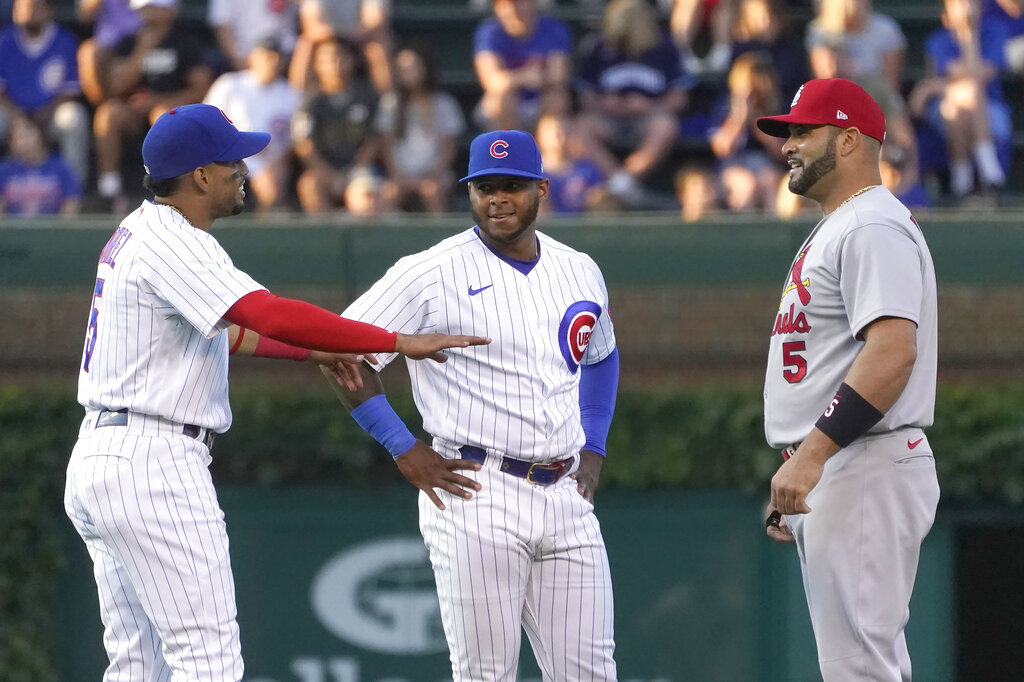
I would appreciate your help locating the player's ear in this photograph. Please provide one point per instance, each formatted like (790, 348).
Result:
(849, 140)
(543, 186)
(201, 178)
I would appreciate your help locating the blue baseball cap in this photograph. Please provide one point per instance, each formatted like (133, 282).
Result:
(195, 135)
(505, 152)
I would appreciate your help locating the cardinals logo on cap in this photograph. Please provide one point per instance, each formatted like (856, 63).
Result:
(796, 97)
(499, 149)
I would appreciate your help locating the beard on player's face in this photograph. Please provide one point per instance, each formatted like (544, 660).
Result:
(524, 209)
(815, 170)
(232, 204)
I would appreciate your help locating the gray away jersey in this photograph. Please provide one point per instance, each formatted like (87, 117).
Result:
(865, 260)
(520, 394)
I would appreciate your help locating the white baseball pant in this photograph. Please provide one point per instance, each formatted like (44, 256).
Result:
(146, 508)
(517, 556)
(859, 550)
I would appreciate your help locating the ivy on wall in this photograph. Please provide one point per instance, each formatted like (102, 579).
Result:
(695, 437)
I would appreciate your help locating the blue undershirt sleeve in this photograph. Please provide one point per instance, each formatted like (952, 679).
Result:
(599, 384)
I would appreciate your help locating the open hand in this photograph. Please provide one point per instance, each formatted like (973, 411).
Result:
(343, 366)
(426, 470)
(429, 346)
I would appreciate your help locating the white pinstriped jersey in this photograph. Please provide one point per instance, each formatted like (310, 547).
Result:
(153, 342)
(865, 260)
(520, 394)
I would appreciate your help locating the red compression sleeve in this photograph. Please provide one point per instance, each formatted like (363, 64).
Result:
(267, 347)
(305, 325)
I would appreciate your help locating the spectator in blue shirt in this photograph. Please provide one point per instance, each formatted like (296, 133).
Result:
(1011, 14)
(632, 88)
(112, 21)
(39, 79)
(764, 26)
(750, 163)
(898, 169)
(522, 60)
(962, 99)
(576, 183)
(33, 182)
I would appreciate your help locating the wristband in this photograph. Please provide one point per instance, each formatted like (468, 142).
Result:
(267, 347)
(238, 341)
(379, 419)
(848, 416)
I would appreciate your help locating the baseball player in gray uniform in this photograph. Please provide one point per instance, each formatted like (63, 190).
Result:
(849, 387)
(513, 540)
(153, 381)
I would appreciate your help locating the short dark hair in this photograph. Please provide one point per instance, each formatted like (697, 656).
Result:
(161, 188)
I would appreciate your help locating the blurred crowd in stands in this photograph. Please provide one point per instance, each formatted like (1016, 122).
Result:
(636, 104)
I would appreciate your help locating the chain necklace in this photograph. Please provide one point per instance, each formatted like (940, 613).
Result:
(855, 195)
(185, 217)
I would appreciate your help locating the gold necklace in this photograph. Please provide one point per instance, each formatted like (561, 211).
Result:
(178, 210)
(855, 195)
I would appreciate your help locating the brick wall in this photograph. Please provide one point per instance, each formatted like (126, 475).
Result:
(665, 333)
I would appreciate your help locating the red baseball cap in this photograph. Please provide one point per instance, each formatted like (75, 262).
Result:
(829, 101)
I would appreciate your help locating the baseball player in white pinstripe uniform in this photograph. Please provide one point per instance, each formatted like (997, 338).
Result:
(849, 387)
(514, 542)
(153, 381)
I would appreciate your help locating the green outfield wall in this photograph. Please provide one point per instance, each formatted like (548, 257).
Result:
(687, 299)
(700, 593)
(633, 250)
(334, 585)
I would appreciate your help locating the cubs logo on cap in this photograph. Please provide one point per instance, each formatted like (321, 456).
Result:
(574, 331)
(499, 149)
(829, 101)
(505, 152)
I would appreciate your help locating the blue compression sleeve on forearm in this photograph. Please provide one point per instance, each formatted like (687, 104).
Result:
(598, 385)
(379, 419)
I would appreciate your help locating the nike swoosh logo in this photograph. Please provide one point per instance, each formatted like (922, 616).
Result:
(474, 292)
(913, 444)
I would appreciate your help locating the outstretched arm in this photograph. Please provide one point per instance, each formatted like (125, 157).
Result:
(302, 324)
(242, 341)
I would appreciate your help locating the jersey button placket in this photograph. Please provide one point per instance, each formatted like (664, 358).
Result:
(540, 326)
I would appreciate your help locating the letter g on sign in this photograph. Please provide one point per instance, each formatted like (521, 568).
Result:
(380, 595)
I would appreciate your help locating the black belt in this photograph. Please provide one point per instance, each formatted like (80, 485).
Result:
(120, 418)
(534, 472)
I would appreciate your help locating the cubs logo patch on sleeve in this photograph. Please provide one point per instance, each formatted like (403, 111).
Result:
(574, 331)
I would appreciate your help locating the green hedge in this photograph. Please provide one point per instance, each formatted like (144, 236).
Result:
(690, 437)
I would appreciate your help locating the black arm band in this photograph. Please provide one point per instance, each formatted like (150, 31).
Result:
(848, 416)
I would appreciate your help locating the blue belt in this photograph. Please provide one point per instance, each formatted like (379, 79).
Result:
(534, 472)
(120, 418)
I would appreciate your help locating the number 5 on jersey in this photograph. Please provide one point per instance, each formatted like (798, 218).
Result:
(94, 318)
(794, 364)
